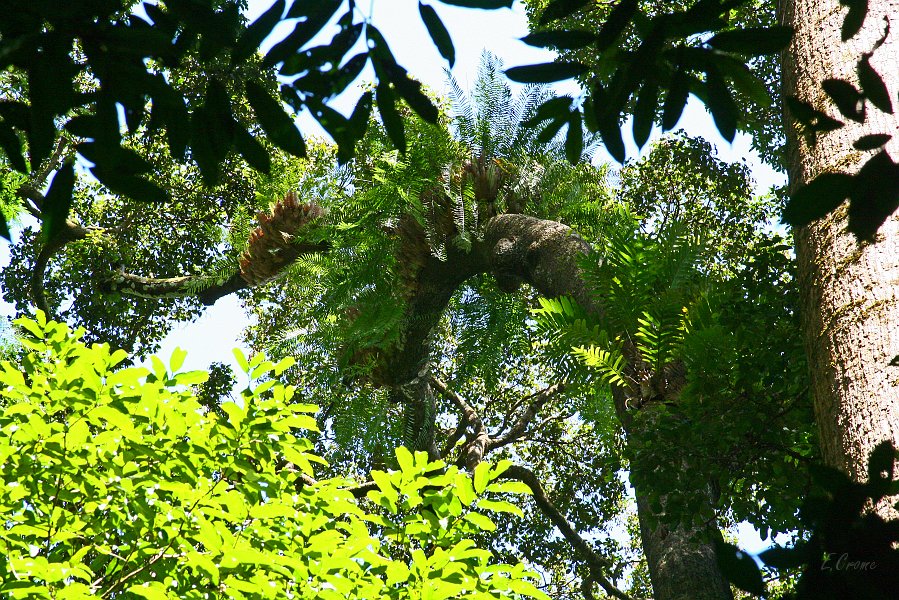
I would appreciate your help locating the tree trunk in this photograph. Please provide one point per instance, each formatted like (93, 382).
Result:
(682, 562)
(850, 296)
(544, 254)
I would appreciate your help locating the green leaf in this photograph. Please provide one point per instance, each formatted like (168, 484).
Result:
(871, 141)
(753, 40)
(278, 126)
(439, 35)
(481, 477)
(249, 40)
(849, 100)
(616, 22)
(546, 72)
(241, 359)
(480, 521)
(739, 568)
(873, 86)
(559, 9)
(510, 487)
(855, 18)
(482, 4)
(391, 118)
(177, 359)
(816, 199)
(405, 460)
(58, 202)
(561, 39)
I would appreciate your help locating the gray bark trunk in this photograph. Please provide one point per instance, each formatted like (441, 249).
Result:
(850, 296)
(544, 254)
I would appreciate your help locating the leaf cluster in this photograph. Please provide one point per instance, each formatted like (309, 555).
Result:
(116, 481)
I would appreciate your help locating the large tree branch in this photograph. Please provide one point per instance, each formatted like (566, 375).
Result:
(478, 440)
(517, 430)
(205, 287)
(271, 247)
(596, 563)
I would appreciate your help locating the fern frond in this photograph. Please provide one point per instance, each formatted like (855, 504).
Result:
(608, 363)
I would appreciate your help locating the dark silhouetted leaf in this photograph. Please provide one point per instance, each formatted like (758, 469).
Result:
(323, 59)
(410, 90)
(252, 151)
(822, 195)
(721, 104)
(391, 118)
(315, 14)
(848, 99)
(278, 126)
(676, 100)
(874, 197)
(855, 18)
(739, 568)
(589, 113)
(58, 201)
(482, 4)
(559, 9)
(360, 116)
(753, 40)
(645, 111)
(784, 558)
(4, 228)
(872, 141)
(131, 186)
(50, 92)
(554, 108)
(895, 361)
(881, 461)
(550, 130)
(221, 120)
(439, 35)
(564, 40)
(120, 159)
(379, 48)
(615, 24)
(12, 148)
(546, 72)
(574, 139)
(249, 40)
(744, 80)
(873, 86)
(809, 116)
(611, 137)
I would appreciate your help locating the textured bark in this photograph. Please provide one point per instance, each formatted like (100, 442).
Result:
(545, 254)
(681, 566)
(850, 297)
